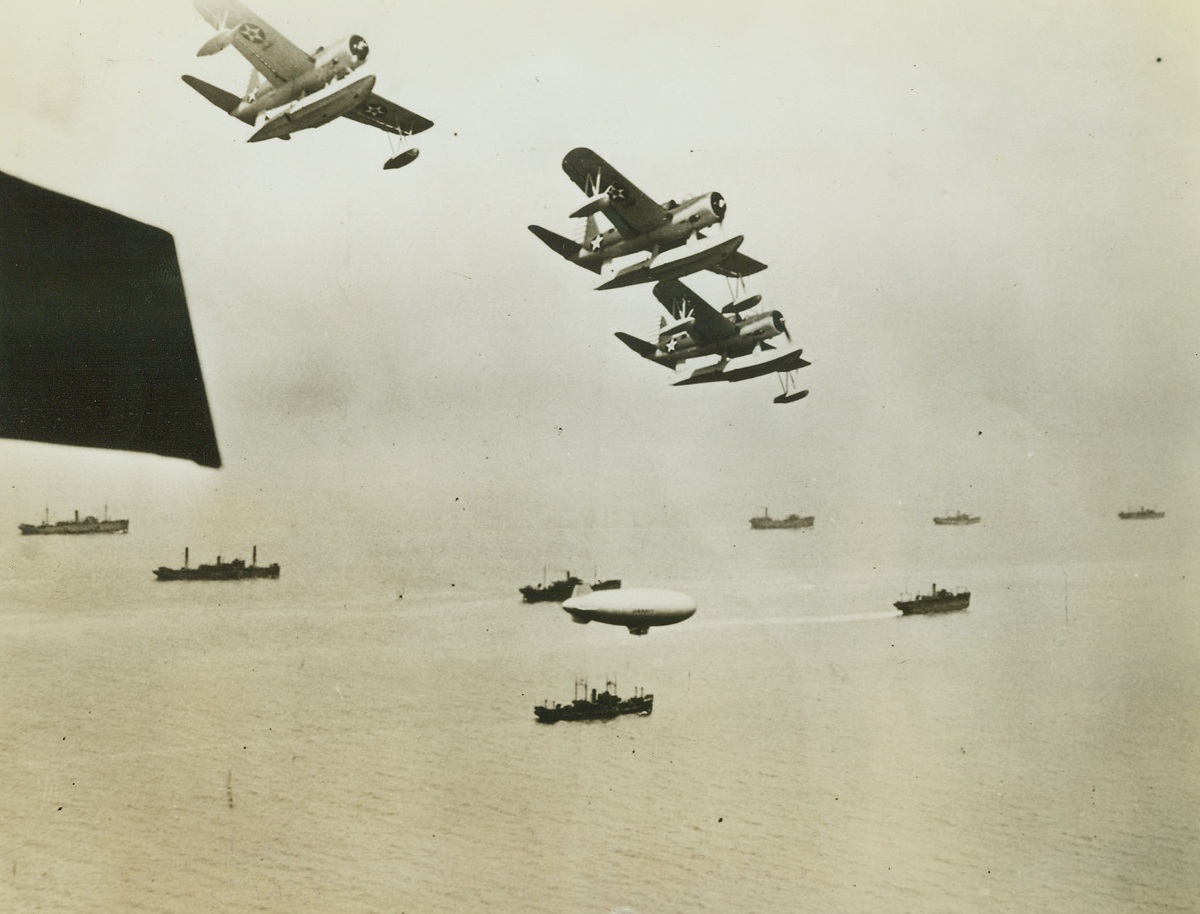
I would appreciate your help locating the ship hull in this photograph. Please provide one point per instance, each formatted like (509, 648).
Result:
(228, 572)
(73, 528)
(955, 521)
(1141, 515)
(562, 590)
(761, 523)
(930, 606)
(587, 710)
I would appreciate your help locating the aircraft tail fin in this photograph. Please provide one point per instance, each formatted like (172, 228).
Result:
(564, 247)
(252, 85)
(590, 231)
(644, 348)
(581, 590)
(226, 101)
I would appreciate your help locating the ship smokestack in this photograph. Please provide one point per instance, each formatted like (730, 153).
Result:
(254, 555)
(76, 517)
(185, 556)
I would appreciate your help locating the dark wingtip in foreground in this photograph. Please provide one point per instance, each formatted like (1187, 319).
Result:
(96, 348)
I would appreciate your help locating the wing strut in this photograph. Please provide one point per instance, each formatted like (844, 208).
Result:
(399, 156)
(790, 380)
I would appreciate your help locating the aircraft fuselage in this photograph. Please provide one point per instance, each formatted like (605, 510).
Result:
(680, 346)
(683, 220)
(329, 64)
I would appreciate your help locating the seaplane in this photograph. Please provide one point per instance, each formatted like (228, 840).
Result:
(673, 233)
(736, 335)
(637, 608)
(291, 90)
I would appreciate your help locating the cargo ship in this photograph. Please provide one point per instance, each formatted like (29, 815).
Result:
(791, 522)
(89, 524)
(957, 519)
(603, 706)
(557, 591)
(936, 601)
(1142, 514)
(237, 570)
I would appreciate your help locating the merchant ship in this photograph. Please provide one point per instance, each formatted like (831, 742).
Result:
(603, 706)
(936, 601)
(957, 519)
(1142, 514)
(237, 570)
(791, 522)
(71, 527)
(557, 591)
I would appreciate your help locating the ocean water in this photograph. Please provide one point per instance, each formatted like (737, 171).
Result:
(359, 735)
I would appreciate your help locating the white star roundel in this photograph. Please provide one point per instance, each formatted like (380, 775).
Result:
(252, 33)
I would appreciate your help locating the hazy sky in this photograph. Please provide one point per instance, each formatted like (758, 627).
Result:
(981, 221)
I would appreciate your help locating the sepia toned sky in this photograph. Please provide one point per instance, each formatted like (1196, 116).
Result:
(982, 223)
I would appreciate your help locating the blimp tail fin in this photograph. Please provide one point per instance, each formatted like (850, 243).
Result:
(581, 590)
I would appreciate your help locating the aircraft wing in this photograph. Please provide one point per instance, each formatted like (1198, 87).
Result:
(631, 212)
(379, 112)
(709, 325)
(737, 265)
(265, 47)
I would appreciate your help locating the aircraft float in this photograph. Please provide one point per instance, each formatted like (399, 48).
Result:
(672, 232)
(300, 89)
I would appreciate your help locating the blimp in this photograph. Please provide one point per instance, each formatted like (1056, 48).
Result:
(637, 608)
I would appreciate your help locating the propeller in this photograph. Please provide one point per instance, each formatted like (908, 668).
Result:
(781, 325)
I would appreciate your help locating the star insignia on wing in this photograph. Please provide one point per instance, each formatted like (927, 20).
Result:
(252, 33)
(617, 192)
(374, 110)
(596, 243)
